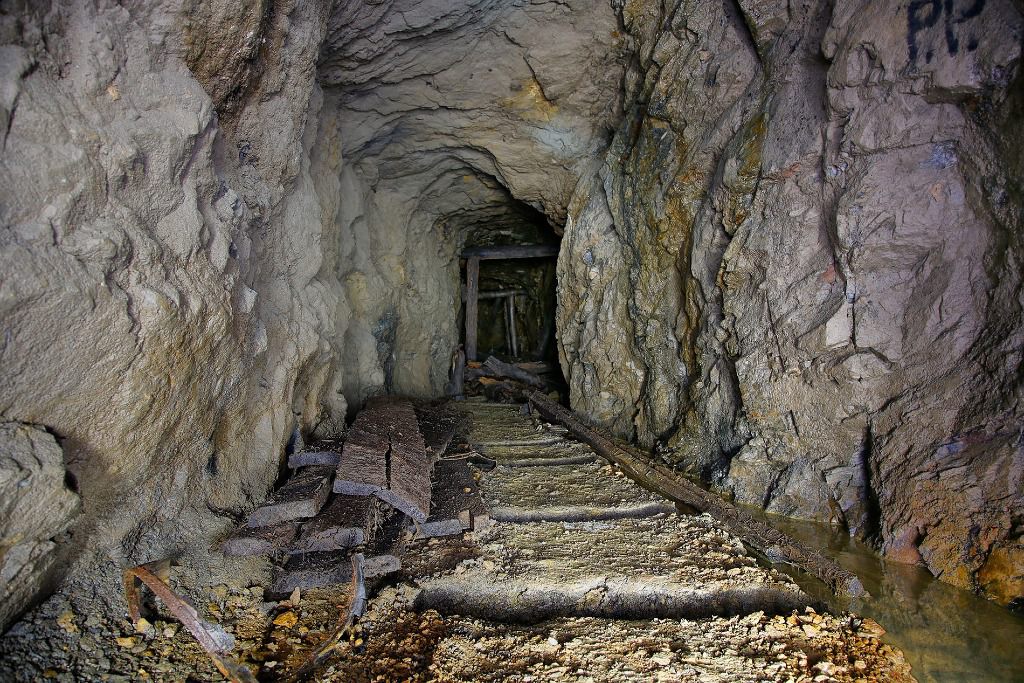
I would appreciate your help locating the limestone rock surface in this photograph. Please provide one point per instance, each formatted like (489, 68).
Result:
(166, 305)
(803, 252)
(35, 508)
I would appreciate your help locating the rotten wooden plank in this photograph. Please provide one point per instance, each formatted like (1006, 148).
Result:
(301, 497)
(313, 458)
(437, 425)
(764, 537)
(385, 456)
(511, 251)
(362, 468)
(347, 521)
(408, 463)
(318, 570)
(455, 502)
(267, 540)
(409, 480)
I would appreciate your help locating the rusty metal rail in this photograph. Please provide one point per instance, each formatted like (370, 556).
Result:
(205, 634)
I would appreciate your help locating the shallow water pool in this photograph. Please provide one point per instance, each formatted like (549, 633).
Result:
(946, 633)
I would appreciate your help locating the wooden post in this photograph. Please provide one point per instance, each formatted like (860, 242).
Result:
(512, 326)
(472, 288)
(508, 325)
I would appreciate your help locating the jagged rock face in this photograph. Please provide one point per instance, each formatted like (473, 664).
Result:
(803, 253)
(223, 222)
(35, 507)
(167, 309)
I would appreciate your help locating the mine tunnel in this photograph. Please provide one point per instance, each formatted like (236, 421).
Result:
(576, 340)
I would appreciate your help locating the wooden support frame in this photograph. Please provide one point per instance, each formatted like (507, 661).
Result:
(512, 251)
(473, 256)
(472, 289)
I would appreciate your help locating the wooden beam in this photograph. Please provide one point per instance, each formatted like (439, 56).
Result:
(496, 294)
(472, 290)
(500, 369)
(512, 251)
(660, 479)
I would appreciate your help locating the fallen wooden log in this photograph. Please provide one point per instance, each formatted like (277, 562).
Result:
(509, 371)
(769, 540)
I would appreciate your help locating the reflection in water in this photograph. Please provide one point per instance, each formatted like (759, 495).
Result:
(946, 633)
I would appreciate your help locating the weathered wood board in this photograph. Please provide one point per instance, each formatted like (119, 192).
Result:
(362, 469)
(267, 540)
(385, 456)
(346, 521)
(455, 503)
(317, 570)
(437, 425)
(301, 497)
(313, 458)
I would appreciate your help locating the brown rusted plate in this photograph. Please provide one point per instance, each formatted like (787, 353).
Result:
(213, 639)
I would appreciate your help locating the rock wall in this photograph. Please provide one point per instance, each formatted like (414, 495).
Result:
(798, 270)
(166, 300)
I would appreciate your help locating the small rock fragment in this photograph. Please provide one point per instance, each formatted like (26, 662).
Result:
(286, 619)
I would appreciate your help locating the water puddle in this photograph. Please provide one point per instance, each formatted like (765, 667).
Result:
(946, 633)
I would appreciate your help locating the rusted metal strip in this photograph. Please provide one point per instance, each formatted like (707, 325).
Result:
(352, 611)
(187, 615)
(664, 481)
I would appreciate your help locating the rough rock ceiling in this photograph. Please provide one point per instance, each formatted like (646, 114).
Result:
(469, 108)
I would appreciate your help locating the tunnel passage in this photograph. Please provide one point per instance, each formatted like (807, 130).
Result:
(780, 258)
(469, 127)
(509, 301)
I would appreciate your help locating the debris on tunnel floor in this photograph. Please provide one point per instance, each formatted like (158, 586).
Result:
(773, 543)
(214, 640)
(408, 645)
(592, 579)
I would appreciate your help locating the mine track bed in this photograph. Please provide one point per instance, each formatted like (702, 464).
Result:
(574, 572)
(473, 541)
